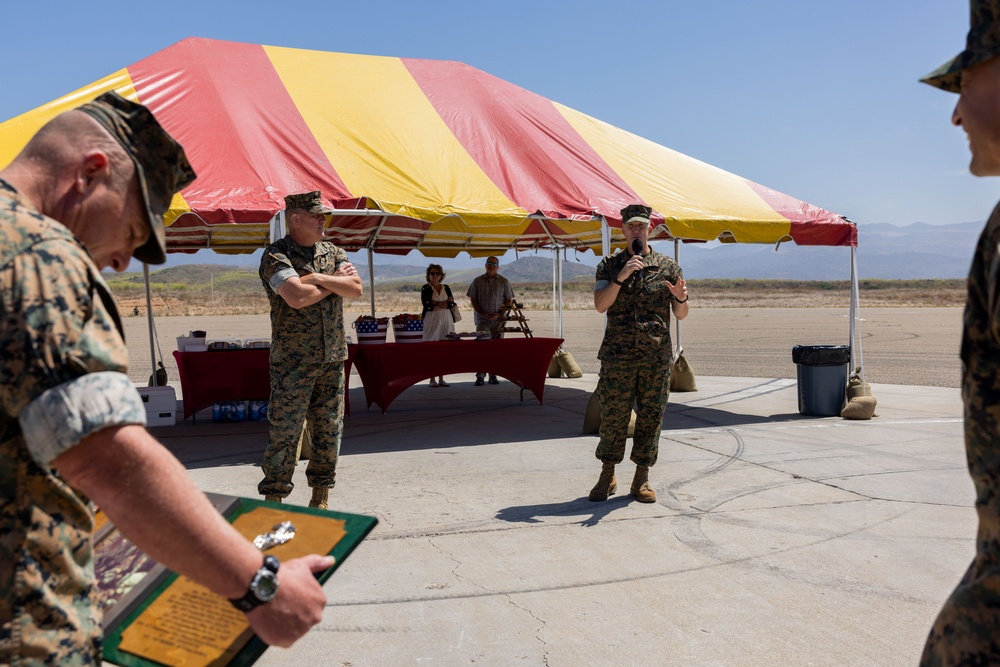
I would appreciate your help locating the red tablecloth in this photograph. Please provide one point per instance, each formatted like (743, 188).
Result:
(388, 370)
(231, 375)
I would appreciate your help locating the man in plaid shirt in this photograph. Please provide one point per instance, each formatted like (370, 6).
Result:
(488, 293)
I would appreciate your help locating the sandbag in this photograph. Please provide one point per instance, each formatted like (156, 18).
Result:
(860, 407)
(161, 377)
(555, 370)
(568, 364)
(856, 388)
(305, 442)
(592, 417)
(681, 375)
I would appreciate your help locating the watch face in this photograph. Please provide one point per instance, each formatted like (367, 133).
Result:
(265, 585)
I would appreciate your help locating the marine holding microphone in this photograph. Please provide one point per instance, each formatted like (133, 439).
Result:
(637, 288)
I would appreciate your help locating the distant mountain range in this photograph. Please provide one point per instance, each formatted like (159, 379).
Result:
(885, 251)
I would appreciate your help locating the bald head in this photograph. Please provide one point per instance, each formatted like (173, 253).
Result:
(74, 171)
(58, 149)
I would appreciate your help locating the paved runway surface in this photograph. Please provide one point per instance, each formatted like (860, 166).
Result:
(777, 539)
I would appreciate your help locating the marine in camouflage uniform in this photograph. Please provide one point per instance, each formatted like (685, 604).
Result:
(308, 349)
(635, 354)
(63, 377)
(967, 630)
(47, 280)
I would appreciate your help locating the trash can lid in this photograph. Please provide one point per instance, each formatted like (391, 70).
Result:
(821, 355)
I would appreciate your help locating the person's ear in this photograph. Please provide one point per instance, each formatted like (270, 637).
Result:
(93, 170)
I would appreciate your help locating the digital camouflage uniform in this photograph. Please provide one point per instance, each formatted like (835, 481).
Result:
(308, 349)
(63, 365)
(635, 357)
(967, 631)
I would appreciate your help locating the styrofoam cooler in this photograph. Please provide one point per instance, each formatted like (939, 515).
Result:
(371, 332)
(409, 331)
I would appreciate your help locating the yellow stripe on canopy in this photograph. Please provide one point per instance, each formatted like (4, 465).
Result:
(382, 135)
(19, 130)
(697, 200)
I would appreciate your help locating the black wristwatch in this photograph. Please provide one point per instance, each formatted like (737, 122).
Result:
(263, 586)
(616, 281)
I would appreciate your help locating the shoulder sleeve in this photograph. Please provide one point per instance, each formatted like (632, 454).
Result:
(339, 257)
(992, 252)
(58, 331)
(275, 268)
(471, 292)
(603, 270)
(509, 290)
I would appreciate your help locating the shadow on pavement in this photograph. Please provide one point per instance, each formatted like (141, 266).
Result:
(592, 512)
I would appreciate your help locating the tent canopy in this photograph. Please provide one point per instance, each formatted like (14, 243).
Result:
(417, 154)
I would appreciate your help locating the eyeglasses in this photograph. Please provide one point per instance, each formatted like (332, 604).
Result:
(492, 263)
(436, 273)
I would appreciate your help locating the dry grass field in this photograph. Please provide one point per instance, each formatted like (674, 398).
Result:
(240, 293)
(909, 331)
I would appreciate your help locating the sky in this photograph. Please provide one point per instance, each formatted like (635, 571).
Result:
(817, 100)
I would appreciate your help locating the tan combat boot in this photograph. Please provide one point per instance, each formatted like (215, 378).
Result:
(320, 497)
(272, 498)
(606, 485)
(641, 489)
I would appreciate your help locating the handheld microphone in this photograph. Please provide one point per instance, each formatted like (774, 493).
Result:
(637, 250)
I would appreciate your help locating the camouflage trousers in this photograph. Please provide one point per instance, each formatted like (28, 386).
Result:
(304, 391)
(622, 385)
(967, 627)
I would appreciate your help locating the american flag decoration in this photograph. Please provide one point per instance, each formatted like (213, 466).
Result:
(371, 331)
(409, 331)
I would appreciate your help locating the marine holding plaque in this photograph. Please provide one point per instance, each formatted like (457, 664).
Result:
(88, 192)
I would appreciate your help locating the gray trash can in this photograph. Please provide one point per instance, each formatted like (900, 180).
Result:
(822, 378)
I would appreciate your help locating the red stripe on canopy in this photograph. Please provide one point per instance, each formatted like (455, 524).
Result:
(550, 169)
(811, 225)
(246, 139)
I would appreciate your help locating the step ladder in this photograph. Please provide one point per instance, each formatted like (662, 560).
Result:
(513, 320)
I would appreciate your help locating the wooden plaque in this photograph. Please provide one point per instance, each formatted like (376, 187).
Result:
(156, 617)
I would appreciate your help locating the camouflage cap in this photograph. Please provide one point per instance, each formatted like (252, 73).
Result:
(636, 212)
(308, 201)
(160, 163)
(981, 44)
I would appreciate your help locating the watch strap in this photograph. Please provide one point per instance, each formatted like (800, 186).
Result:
(250, 599)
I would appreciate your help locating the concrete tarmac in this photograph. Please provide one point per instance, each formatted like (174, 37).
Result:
(777, 539)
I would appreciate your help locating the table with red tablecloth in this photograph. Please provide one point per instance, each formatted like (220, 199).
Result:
(388, 370)
(231, 375)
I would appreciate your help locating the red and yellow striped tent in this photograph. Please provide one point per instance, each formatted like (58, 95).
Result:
(425, 154)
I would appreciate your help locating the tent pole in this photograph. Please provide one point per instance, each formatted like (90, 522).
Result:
(371, 279)
(278, 226)
(555, 315)
(149, 320)
(857, 356)
(605, 249)
(559, 263)
(677, 258)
